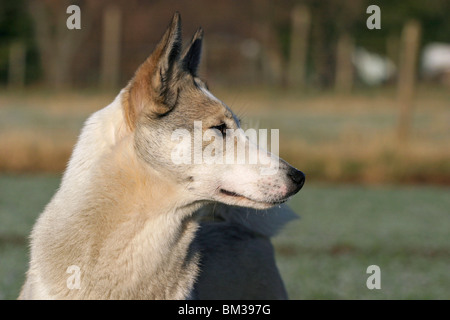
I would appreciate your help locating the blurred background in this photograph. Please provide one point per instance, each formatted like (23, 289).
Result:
(365, 113)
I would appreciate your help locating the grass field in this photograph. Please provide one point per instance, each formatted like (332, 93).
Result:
(324, 255)
(357, 207)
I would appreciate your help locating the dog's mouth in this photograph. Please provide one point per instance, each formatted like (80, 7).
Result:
(238, 196)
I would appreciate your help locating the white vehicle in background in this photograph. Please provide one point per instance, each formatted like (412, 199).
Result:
(373, 69)
(436, 62)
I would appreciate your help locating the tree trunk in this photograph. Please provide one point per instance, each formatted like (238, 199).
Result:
(57, 44)
(17, 62)
(110, 70)
(301, 20)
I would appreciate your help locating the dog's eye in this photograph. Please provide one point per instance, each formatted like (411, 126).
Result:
(222, 128)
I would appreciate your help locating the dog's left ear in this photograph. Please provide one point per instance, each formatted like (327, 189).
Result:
(153, 89)
(190, 59)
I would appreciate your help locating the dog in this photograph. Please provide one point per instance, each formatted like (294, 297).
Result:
(129, 223)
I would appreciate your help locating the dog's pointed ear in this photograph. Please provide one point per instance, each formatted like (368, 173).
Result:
(191, 57)
(153, 87)
(167, 51)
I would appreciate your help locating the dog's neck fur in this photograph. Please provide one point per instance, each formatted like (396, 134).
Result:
(146, 231)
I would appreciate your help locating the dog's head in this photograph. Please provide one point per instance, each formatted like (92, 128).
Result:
(176, 122)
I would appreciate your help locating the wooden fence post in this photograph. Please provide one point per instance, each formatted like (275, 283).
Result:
(300, 24)
(17, 62)
(344, 67)
(110, 63)
(410, 40)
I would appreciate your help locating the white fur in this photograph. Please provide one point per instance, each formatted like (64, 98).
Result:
(139, 226)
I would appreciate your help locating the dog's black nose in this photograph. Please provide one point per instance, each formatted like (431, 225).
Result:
(297, 177)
